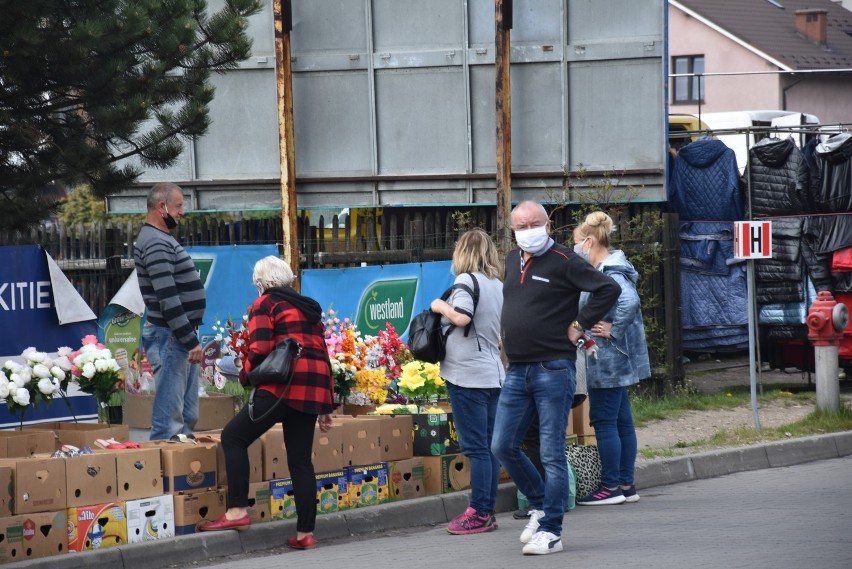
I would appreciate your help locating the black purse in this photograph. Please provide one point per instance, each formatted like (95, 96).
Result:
(276, 369)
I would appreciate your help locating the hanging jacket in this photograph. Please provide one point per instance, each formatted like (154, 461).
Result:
(831, 187)
(705, 183)
(779, 178)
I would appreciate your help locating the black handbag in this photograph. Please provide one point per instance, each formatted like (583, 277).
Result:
(276, 369)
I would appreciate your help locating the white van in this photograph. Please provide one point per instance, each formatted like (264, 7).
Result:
(740, 142)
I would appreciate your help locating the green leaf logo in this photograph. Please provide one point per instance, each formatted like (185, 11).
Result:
(383, 301)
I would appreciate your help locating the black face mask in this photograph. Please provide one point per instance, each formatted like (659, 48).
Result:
(170, 221)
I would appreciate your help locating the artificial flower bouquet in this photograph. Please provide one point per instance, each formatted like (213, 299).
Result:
(233, 337)
(94, 370)
(421, 382)
(37, 378)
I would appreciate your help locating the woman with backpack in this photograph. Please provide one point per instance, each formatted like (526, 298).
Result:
(473, 369)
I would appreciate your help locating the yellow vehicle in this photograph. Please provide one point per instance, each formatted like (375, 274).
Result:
(684, 128)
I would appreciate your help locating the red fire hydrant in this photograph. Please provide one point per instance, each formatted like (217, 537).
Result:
(826, 321)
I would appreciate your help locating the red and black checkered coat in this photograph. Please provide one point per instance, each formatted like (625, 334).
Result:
(283, 313)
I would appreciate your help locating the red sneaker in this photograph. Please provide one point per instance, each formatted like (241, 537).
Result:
(307, 542)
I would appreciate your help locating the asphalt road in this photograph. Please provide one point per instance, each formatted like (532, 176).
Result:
(792, 517)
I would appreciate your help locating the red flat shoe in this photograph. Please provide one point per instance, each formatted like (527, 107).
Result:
(307, 542)
(224, 523)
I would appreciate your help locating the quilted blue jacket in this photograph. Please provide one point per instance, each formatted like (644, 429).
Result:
(623, 359)
(705, 183)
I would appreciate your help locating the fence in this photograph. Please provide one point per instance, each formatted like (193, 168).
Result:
(98, 257)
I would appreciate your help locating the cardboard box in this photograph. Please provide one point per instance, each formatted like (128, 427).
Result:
(368, 485)
(282, 502)
(360, 438)
(332, 491)
(587, 440)
(274, 456)
(447, 473)
(26, 443)
(150, 519)
(96, 527)
(259, 502)
(327, 452)
(395, 441)
(214, 410)
(187, 468)
(30, 536)
(405, 479)
(192, 509)
(7, 493)
(434, 434)
(82, 434)
(581, 423)
(139, 473)
(38, 483)
(255, 456)
(90, 479)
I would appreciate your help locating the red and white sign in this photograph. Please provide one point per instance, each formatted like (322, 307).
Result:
(752, 240)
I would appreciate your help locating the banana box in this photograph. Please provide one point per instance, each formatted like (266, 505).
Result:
(192, 509)
(33, 535)
(150, 519)
(282, 502)
(368, 485)
(447, 473)
(405, 479)
(96, 527)
(259, 502)
(332, 491)
(434, 434)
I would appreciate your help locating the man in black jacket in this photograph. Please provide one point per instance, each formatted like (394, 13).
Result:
(541, 325)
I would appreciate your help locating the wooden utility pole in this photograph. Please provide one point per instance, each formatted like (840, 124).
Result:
(502, 53)
(282, 11)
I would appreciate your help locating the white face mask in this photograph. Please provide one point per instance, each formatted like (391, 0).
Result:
(532, 240)
(578, 248)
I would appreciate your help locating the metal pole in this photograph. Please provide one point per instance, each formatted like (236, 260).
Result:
(827, 385)
(503, 91)
(751, 341)
(283, 16)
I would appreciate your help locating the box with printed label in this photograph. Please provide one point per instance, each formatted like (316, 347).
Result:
(405, 479)
(150, 519)
(360, 439)
(96, 527)
(447, 473)
(26, 443)
(187, 468)
(81, 434)
(38, 483)
(282, 501)
(368, 485)
(395, 441)
(192, 509)
(29, 536)
(139, 472)
(274, 456)
(434, 434)
(90, 479)
(332, 491)
(259, 502)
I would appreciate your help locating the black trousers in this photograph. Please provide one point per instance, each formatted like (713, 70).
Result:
(299, 427)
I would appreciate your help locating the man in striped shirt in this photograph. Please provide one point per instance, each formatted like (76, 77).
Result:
(175, 298)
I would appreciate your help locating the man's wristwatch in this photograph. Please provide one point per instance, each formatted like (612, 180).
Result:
(576, 326)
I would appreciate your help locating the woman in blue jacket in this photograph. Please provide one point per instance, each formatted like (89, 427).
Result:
(622, 361)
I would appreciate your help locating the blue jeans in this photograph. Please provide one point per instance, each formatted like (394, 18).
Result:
(474, 410)
(176, 380)
(610, 415)
(545, 388)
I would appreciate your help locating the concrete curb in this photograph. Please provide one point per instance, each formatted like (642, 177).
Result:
(433, 510)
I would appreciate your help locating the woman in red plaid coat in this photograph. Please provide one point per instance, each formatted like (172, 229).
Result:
(280, 312)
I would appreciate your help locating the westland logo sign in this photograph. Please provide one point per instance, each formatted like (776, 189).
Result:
(386, 301)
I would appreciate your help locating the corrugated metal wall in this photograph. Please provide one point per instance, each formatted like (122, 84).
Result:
(394, 103)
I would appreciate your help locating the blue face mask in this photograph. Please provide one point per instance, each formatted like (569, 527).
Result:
(578, 248)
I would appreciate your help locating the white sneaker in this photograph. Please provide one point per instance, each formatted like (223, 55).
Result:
(542, 543)
(532, 525)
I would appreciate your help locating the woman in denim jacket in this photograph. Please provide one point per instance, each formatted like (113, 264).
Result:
(622, 360)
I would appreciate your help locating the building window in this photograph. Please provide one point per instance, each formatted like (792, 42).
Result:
(688, 89)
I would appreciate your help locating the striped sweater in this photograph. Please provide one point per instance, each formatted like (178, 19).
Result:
(170, 284)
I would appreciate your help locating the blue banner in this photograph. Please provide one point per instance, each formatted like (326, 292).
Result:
(226, 274)
(372, 296)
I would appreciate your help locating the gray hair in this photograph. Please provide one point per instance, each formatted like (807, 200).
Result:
(271, 272)
(161, 192)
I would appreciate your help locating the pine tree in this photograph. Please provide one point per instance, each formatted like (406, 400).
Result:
(86, 85)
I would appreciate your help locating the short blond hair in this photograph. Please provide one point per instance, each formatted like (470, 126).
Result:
(271, 272)
(476, 252)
